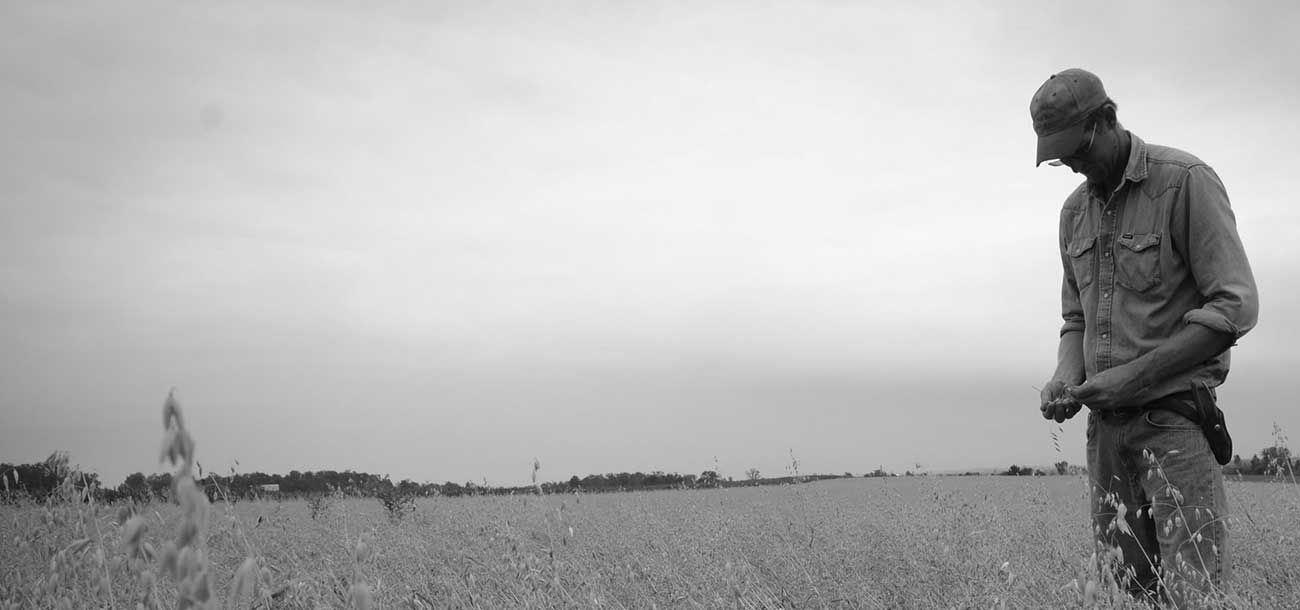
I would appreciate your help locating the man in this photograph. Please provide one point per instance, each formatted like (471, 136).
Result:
(1156, 289)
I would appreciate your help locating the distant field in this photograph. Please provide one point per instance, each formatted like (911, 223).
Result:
(915, 542)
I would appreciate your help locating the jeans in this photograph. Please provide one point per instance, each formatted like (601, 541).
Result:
(1156, 469)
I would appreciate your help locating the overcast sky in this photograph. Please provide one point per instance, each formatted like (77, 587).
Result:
(441, 239)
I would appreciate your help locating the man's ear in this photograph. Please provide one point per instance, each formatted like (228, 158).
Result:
(1106, 114)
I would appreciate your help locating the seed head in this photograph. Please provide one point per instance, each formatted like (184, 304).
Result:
(245, 581)
(132, 532)
(361, 598)
(171, 411)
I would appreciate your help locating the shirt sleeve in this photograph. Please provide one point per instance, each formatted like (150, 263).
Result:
(1216, 257)
(1071, 303)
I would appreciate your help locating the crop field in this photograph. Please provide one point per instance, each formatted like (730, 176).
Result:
(907, 542)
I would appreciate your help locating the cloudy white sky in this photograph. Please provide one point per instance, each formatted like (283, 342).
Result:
(437, 239)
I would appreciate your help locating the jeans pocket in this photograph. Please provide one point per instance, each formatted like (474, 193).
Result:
(1168, 420)
(1137, 261)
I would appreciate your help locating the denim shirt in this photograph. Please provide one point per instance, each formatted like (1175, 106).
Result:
(1159, 252)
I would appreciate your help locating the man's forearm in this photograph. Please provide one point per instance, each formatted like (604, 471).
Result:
(1069, 359)
(1192, 345)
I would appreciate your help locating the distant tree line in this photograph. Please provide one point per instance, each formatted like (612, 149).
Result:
(1022, 471)
(39, 480)
(1271, 461)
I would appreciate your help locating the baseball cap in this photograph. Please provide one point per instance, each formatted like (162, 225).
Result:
(1059, 107)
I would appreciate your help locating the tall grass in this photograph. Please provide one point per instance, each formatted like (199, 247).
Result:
(82, 554)
(908, 542)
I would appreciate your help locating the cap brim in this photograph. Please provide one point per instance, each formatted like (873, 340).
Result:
(1059, 144)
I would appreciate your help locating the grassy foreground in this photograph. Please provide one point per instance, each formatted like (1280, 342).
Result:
(912, 542)
(924, 542)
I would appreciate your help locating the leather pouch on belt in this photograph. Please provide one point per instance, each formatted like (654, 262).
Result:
(1212, 423)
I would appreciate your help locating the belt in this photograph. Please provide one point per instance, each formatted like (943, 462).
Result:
(1123, 412)
(1177, 402)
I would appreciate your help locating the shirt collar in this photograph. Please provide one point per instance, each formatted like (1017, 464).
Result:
(1136, 170)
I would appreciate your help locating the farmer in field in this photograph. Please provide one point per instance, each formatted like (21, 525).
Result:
(1156, 289)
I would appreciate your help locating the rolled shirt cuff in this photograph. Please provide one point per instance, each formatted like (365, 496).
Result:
(1212, 320)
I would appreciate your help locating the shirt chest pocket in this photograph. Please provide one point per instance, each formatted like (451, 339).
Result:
(1081, 255)
(1137, 261)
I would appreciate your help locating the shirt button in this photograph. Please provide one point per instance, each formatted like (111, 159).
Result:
(1105, 294)
(1105, 335)
(1107, 255)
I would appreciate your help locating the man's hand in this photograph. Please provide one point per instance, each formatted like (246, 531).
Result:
(1112, 388)
(1057, 403)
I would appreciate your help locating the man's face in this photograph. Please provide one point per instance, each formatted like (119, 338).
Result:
(1086, 160)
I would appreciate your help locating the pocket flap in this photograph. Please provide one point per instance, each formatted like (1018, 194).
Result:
(1138, 243)
(1080, 245)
